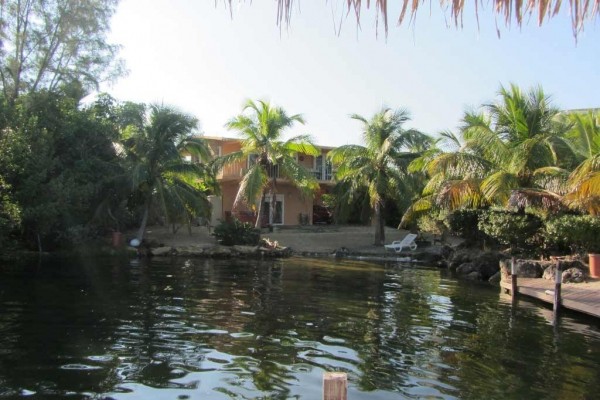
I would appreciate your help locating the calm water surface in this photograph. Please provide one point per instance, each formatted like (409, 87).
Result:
(177, 329)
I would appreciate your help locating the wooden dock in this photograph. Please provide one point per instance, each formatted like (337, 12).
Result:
(581, 297)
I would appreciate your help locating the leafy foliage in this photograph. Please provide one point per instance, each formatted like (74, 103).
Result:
(235, 232)
(59, 160)
(464, 223)
(574, 233)
(584, 181)
(512, 151)
(49, 44)
(520, 230)
(431, 224)
(10, 215)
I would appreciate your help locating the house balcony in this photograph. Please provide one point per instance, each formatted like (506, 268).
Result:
(233, 171)
(237, 170)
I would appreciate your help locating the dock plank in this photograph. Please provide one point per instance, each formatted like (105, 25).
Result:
(581, 297)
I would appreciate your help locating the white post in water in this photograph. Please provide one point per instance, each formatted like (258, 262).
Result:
(335, 386)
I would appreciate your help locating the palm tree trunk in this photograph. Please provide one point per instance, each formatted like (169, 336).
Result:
(272, 210)
(379, 225)
(273, 202)
(259, 215)
(142, 230)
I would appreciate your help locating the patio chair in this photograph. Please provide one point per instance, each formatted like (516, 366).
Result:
(398, 245)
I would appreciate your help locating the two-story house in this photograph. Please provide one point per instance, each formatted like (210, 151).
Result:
(291, 207)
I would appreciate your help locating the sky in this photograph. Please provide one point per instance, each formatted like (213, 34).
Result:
(207, 60)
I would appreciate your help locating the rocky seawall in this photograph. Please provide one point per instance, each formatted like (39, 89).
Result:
(495, 266)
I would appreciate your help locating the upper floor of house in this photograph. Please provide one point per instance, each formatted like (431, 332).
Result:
(319, 165)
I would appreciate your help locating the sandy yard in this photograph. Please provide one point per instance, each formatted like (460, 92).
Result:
(316, 238)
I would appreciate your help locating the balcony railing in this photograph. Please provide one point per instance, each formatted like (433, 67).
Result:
(238, 169)
(234, 170)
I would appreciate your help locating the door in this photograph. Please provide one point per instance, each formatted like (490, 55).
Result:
(266, 210)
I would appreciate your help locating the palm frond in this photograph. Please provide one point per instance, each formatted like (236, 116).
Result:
(301, 144)
(198, 147)
(589, 186)
(226, 159)
(345, 153)
(448, 141)
(459, 165)
(421, 206)
(434, 184)
(481, 138)
(463, 193)
(535, 198)
(496, 188)
(584, 134)
(553, 179)
(251, 185)
(303, 178)
(529, 155)
(419, 164)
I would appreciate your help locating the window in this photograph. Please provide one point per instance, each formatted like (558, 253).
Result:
(318, 172)
(252, 160)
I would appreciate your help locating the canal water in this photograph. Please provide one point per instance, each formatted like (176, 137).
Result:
(198, 329)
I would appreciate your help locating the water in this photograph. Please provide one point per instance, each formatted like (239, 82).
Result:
(196, 329)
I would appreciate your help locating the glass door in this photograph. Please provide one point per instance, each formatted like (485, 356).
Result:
(266, 210)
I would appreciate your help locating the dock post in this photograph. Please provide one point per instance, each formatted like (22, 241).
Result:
(513, 279)
(557, 285)
(335, 386)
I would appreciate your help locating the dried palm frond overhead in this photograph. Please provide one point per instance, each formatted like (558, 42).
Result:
(581, 11)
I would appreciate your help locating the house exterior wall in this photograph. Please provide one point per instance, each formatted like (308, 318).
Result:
(294, 204)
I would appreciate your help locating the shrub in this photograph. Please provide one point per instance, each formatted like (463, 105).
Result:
(575, 233)
(464, 223)
(511, 228)
(236, 232)
(431, 224)
(10, 216)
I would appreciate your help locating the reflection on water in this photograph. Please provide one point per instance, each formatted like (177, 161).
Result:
(196, 329)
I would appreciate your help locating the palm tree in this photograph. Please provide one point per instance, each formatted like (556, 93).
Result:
(515, 151)
(159, 176)
(584, 181)
(270, 157)
(525, 144)
(380, 166)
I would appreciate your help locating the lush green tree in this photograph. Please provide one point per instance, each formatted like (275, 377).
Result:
(271, 157)
(56, 159)
(49, 43)
(513, 152)
(584, 181)
(524, 144)
(380, 167)
(160, 178)
(10, 215)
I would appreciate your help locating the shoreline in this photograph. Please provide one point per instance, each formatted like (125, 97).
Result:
(303, 240)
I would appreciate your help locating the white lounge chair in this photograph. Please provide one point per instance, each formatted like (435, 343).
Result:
(398, 245)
